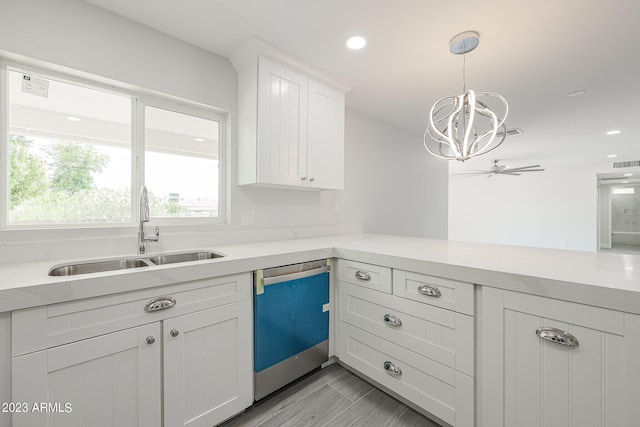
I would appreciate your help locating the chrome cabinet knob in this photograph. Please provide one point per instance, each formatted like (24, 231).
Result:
(392, 320)
(430, 291)
(174, 333)
(160, 303)
(392, 369)
(150, 339)
(557, 336)
(363, 275)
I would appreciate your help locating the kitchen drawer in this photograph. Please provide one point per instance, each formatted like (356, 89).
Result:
(44, 327)
(436, 388)
(438, 291)
(441, 335)
(367, 275)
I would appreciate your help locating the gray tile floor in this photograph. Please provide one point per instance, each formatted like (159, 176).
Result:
(331, 397)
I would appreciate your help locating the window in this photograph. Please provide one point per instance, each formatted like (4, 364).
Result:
(78, 154)
(181, 164)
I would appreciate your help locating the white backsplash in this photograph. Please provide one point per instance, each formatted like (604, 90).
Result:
(126, 243)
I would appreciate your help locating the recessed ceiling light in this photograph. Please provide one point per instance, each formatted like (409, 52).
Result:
(625, 182)
(356, 42)
(612, 155)
(613, 132)
(628, 174)
(73, 119)
(198, 139)
(577, 92)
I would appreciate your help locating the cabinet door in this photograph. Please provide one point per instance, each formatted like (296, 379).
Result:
(208, 365)
(325, 162)
(282, 124)
(112, 380)
(530, 381)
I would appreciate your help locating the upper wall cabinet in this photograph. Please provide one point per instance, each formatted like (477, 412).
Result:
(290, 122)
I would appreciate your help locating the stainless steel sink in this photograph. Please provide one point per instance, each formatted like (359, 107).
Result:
(125, 263)
(97, 267)
(184, 257)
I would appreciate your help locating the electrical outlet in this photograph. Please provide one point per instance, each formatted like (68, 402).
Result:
(247, 218)
(336, 206)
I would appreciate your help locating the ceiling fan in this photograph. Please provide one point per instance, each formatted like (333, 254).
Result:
(497, 169)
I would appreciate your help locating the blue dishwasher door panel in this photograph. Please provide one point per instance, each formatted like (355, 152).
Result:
(288, 319)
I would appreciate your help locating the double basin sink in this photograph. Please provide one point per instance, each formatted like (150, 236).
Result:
(72, 269)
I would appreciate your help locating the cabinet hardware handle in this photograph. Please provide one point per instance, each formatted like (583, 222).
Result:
(160, 303)
(392, 320)
(392, 369)
(311, 179)
(557, 336)
(430, 291)
(304, 178)
(174, 333)
(363, 275)
(151, 339)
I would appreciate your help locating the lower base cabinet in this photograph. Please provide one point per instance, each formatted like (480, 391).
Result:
(436, 388)
(207, 365)
(110, 380)
(200, 362)
(553, 380)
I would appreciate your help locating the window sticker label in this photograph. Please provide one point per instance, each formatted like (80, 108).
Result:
(35, 86)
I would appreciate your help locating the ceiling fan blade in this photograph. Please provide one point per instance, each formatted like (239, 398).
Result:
(523, 168)
(510, 173)
(474, 173)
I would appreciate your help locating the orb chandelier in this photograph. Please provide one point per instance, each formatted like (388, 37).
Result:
(467, 125)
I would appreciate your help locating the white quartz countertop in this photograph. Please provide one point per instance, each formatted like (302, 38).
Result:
(603, 279)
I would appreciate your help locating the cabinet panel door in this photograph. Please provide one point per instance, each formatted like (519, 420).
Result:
(208, 365)
(529, 381)
(325, 161)
(282, 124)
(112, 380)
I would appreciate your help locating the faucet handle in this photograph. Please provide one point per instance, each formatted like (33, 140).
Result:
(155, 237)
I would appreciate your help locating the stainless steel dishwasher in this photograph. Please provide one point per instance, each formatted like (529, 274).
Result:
(291, 323)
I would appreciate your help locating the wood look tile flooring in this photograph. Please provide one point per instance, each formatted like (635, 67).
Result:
(332, 397)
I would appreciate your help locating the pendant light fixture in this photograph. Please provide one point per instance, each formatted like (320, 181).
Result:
(468, 125)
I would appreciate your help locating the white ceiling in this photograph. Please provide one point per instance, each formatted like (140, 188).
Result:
(532, 52)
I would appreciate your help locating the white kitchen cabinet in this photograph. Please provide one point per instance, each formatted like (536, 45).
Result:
(406, 343)
(110, 380)
(530, 381)
(189, 364)
(290, 122)
(207, 365)
(281, 153)
(325, 149)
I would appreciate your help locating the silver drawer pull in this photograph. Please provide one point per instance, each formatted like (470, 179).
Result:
(160, 303)
(557, 336)
(174, 333)
(363, 275)
(392, 369)
(392, 320)
(151, 339)
(430, 291)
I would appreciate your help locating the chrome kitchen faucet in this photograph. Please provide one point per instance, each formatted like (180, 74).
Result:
(144, 217)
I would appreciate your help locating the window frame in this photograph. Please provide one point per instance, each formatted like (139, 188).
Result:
(140, 98)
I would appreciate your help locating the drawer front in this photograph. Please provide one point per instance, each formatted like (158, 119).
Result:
(438, 291)
(441, 335)
(434, 387)
(44, 327)
(367, 275)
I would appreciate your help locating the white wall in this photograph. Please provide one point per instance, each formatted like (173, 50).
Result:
(556, 208)
(398, 189)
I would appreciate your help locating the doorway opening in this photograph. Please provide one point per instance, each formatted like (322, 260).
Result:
(618, 213)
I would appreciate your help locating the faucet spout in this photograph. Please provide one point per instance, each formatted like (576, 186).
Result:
(144, 217)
